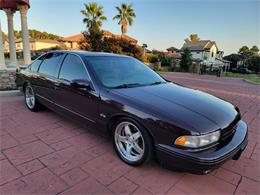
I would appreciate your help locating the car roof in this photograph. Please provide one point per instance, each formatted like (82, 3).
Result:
(83, 53)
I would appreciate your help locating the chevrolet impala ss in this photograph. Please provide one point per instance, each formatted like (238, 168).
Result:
(147, 116)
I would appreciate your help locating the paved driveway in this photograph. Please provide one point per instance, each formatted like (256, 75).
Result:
(43, 153)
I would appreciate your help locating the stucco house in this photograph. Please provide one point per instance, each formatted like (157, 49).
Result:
(72, 42)
(206, 52)
(174, 53)
(235, 60)
(37, 44)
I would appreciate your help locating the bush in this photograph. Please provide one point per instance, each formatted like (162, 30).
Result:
(159, 56)
(152, 58)
(253, 63)
(94, 41)
(165, 69)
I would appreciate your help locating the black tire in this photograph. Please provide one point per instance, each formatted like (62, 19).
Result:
(36, 106)
(148, 153)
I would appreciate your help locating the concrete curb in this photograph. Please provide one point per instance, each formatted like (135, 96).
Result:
(10, 93)
(251, 82)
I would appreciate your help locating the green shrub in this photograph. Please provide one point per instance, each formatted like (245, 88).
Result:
(165, 69)
(152, 58)
(94, 42)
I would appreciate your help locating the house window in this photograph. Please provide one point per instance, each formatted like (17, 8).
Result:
(212, 55)
(198, 52)
(205, 55)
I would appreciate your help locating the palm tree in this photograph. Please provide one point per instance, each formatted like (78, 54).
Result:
(93, 16)
(125, 16)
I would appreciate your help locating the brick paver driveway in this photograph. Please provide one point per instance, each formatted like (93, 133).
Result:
(43, 153)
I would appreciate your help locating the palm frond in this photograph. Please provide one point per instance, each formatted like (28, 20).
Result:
(117, 17)
(130, 21)
(103, 18)
(119, 9)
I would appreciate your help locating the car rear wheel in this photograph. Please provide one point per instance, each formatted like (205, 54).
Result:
(30, 99)
(132, 142)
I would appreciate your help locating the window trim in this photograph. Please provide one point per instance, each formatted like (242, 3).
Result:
(58, 64)
(83, 64)
(30, 66)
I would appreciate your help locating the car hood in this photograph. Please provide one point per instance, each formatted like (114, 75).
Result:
(200, 111)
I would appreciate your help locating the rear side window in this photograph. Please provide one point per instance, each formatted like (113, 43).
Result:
(35, 65)
(49, 65)
(73, 68)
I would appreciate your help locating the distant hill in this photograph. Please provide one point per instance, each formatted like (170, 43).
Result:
(35, 34)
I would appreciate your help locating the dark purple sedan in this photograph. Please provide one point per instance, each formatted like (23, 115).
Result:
(146, 115)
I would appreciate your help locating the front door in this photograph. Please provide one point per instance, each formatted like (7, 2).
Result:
(81, 102)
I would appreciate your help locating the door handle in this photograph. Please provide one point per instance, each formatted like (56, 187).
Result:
(56, 86)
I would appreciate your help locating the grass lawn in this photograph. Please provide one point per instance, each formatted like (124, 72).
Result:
(251, 77)
(164, 69)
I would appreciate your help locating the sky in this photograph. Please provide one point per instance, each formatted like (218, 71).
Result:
(158, 23)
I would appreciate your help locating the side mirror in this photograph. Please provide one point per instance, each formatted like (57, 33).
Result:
(82, 84)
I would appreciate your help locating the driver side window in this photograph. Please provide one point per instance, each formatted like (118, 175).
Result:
(73, 68)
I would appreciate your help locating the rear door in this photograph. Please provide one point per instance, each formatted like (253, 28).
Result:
(33, 69)
(47, 75)
(83, 103)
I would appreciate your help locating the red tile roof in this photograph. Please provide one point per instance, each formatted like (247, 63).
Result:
(74, 38)
(80, 37)
(13, 3)
(126, 37)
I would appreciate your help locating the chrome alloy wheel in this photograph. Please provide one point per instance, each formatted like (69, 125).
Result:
(29, 97)
(129, 141)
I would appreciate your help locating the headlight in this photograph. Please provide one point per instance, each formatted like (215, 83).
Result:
(191, 141)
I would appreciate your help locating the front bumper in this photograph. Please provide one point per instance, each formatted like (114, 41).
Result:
(207, 160)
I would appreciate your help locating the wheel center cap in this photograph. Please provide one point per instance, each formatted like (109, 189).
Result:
(131, 140)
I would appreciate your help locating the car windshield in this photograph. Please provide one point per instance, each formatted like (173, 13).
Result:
(123, 72)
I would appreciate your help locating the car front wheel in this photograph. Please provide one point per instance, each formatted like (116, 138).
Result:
(132, 142)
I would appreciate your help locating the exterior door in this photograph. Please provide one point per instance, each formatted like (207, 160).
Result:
(83, 103)
(47, 74)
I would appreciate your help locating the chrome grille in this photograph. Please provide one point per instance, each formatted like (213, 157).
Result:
(230, 130)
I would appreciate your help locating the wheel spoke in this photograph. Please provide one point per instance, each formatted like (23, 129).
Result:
(129, 149)
(127, 130)
(136, 135)
(121, 138)
(138, 149)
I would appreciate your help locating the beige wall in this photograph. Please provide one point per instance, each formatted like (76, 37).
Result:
(213, 50)
(42, 45)
(6, 47)
(36, 45)
(71, 45)
(67, 44)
